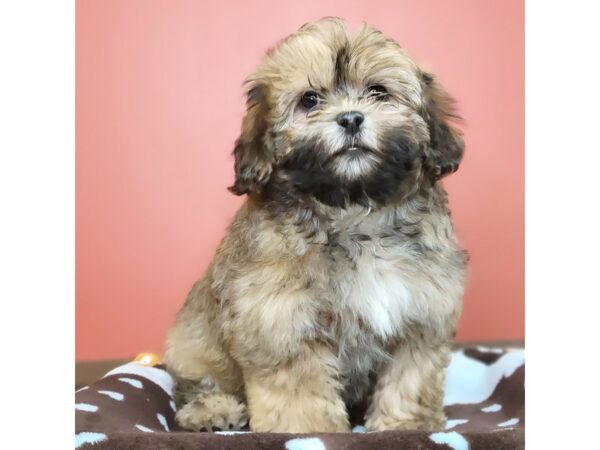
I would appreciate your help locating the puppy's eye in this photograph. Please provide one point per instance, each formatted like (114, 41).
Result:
(378, 92)
(309, 100)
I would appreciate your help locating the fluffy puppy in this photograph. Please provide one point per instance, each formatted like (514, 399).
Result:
(340, 278)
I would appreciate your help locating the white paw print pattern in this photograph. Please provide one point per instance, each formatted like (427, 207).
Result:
(509, 423)
(455, 422)
(311, 443)
(86, 407)
(88, 438)
(452, 439)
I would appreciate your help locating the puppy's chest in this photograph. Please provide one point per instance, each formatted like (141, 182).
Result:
(370, 291)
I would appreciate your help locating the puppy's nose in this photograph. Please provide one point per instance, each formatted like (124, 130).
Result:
(350, 120)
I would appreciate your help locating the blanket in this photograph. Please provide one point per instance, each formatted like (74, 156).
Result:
(132, 407)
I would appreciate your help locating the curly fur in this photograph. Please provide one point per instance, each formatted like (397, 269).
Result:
(340, 279)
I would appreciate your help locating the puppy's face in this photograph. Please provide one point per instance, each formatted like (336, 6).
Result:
(345, 118)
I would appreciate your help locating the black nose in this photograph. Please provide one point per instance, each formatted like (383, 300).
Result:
(350, 120)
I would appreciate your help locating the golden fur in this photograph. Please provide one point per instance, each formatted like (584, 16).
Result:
(340, 279)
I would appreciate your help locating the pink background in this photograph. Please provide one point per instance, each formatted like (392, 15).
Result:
(159, 104)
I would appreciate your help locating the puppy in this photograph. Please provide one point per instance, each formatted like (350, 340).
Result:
(340, 278)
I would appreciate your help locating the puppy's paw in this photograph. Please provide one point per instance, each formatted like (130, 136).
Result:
(384, 423)
(212, 412)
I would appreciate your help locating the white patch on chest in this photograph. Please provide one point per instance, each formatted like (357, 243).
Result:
(378, 295)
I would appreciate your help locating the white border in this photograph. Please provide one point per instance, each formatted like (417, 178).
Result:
(562, 227)
(37, 224)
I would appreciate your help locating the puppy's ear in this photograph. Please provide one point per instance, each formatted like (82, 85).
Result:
(252, 152)
(446, 146)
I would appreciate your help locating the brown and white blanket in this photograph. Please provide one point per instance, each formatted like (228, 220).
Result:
(131, 408)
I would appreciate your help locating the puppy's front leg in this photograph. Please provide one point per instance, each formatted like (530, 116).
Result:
(410, 389)
(299, 396)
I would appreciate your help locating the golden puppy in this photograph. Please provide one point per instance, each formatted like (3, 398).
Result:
(340, 278)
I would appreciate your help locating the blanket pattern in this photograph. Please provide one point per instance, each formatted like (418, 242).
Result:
(132, 407)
